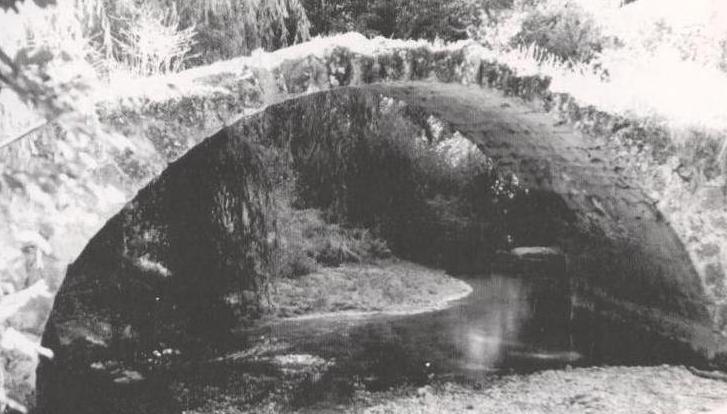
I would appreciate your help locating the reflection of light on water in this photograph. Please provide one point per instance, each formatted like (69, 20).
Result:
(565, 356)
(482, 350)
(505, 306)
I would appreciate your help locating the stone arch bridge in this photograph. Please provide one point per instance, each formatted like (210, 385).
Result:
(631, 253)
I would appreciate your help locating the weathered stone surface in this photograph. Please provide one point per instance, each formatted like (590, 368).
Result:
(158, 277)
(231, 87)
(19, 374)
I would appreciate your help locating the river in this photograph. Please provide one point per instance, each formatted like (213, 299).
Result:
(508, 324)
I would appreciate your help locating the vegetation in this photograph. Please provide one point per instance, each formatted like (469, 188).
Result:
(56, 58)
(658, 55)
(306, 242)
(229, 28)
(407, 178)
(404, 19)
(366, 188)
(388, 286)
(563, 28)
(430, 206)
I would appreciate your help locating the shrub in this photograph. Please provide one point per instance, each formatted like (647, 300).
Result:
(406, 19)
(229, 28)
(208, 30)
(433, 196)
(562, 28)
(44, 62)
(152, 43)
(305, 241)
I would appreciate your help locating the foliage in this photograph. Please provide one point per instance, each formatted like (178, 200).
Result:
(388, 175)
(695, 34)
(152, 42)
(53, 57)
(406, 19)
(6, 5)
(563, 28)
(208, 29)
(228, 28)
(566, 31)
(43, 62)
(306, 241)
(666, 61)
(583, 31)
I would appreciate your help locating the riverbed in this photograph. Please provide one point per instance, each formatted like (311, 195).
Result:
(508, 326)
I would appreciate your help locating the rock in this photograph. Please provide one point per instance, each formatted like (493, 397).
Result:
(708, 250)
(532, 261)
(305, 75)
(536, 252)
(128, 377)
(424, 392)
(20, 377)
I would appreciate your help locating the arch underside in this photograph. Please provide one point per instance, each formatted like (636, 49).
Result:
(643, 260)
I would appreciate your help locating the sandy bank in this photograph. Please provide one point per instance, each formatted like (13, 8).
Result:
(356, 290)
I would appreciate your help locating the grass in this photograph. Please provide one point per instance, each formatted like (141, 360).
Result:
(306, 242)
(387, 286)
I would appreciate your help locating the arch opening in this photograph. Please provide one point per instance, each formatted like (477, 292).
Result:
(188, 259)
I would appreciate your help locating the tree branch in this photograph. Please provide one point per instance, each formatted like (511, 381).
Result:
(7, 141)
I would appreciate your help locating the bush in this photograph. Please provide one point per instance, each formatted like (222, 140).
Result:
(306, 241)
(563, 29)
(229, 28)
(153, 43)
(665, 60)
(404, 19)
(222, 28)
(433, 196)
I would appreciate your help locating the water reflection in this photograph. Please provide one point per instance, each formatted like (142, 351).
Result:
(507, 322)
(485, 336)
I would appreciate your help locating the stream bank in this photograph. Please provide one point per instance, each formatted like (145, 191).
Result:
(392, 286)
